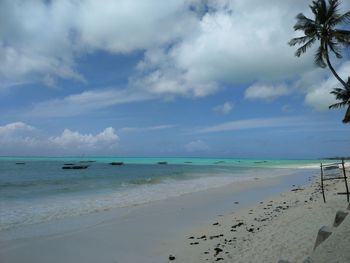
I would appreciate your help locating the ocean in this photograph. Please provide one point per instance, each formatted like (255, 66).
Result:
(37, 189)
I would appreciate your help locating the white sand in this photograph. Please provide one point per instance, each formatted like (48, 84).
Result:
(282, 227)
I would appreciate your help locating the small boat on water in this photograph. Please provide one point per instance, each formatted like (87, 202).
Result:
(21, 163)
(116, 163)
(75, 167)
(162, 162)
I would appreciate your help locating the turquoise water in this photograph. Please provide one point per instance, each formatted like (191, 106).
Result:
(38, 189)
(180, 160)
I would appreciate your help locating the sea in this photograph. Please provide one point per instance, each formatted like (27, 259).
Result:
(37, 189)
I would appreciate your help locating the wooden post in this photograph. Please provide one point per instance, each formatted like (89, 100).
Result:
(324, 198)
(346, 181)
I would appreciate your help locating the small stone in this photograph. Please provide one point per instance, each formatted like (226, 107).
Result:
(217, 251)
(171, 257)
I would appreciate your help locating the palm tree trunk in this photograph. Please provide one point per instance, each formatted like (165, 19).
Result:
(333, 71)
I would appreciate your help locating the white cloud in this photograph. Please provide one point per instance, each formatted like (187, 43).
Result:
(125, 26)
(229, 45)
(17, 136)
(36, 42)
(251, 124)
(15, 127)
(196, 146)
(20, 138)
(225, 108)
(266, 92)
(191, 47)
(318, 87)
(105, 140)
(87, 101)
(40, 40)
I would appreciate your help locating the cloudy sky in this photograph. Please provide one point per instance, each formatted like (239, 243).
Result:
(163, 78)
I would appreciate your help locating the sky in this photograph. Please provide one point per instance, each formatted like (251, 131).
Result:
(164, 78)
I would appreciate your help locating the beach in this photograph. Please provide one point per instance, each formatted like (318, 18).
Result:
(259, 220)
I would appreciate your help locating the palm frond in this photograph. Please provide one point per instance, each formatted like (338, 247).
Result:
(321, 11)
(342, 37)
(345, 18)
(341, 94)
(304, 47)
(335, 48)
(303, 22)
(298, 40)
(332, 12)
(313, 7)
(337, 105)
(347, 115)
(319, 57)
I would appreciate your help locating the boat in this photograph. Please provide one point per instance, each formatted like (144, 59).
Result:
(75, 167)
(116, 163)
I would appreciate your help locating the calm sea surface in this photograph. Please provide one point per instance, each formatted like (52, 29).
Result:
(37, 189)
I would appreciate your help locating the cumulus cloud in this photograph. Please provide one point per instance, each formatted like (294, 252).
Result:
(225, 108)
(229, 45)
(88, 142)
(266, 92)
(124, 26)
(15, 128)
(36, 42)
(196, 146)
(318, 84)
(20, 138)
(41, 40)
(190, 46)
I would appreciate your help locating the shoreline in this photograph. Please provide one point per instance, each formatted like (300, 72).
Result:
(20, 211)
(152, 231)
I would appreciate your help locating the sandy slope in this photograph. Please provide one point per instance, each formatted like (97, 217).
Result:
(283, 227)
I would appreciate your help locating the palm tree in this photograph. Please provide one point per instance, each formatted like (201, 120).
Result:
(344, 96)
(322, 28)
(331, 40)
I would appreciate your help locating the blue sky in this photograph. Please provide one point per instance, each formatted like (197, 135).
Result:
(169, 78)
